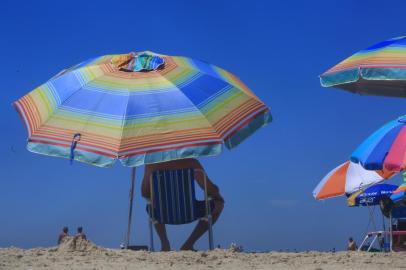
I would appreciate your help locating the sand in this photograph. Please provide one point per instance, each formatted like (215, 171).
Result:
(85, 255)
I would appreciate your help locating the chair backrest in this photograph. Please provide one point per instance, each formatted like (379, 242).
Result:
(173, 196)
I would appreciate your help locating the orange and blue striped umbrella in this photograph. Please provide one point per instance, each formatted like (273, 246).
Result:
(377, 70)
(140, 108)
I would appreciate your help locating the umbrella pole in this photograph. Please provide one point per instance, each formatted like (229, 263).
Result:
(385, 236)
(390, 232)
(130, 208)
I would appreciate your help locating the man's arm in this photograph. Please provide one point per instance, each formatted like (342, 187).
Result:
(212, 189)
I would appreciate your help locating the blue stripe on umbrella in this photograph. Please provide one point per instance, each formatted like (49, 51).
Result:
(372, 152)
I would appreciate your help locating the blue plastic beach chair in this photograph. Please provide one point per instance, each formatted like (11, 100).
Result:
(173, 201)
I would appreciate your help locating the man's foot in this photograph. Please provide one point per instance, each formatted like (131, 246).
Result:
(186, 247)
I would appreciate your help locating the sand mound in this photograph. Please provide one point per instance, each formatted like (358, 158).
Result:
(71, 244)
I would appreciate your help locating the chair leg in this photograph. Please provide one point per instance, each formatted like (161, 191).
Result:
(151, 236)
(209, 220)
(151, 216)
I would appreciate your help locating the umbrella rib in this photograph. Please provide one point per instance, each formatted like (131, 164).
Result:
(123, 123)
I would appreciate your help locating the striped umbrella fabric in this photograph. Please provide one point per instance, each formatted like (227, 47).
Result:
(347, 178)
(140, 108)
(385, 148)
(377, 70)
(398, 195)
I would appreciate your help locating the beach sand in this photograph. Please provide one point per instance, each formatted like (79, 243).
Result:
(85, 255)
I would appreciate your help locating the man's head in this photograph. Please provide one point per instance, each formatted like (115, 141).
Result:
(350, 239)
(80, 229)
(65, 229)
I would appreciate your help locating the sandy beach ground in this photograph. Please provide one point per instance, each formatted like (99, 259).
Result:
(84, 255)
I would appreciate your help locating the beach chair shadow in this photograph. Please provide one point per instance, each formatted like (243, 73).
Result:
(173, 200)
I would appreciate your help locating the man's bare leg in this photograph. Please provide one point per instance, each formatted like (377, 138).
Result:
(161, 231)
(202, 227)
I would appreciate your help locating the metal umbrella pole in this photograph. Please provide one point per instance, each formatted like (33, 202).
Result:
(371, 217)
(130, 208)
(390, 231)
(385, 235)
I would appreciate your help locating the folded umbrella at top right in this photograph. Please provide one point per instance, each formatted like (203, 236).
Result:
(379, 70)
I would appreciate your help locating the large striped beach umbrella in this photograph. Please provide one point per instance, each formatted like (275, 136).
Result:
(377, 70)
(140, 108)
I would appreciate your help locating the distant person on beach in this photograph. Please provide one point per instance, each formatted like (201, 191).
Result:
(212, 191)
(352, 246)
(63, 234)
(80, 234)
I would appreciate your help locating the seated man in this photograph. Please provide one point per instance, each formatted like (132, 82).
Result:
(212, 191)
(62, 235)
(80, 234)
(352, 246)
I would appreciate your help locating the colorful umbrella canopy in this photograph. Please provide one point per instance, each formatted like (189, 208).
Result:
(377, 70)
(346, 179)
(140, 108)
(371, 195)
(398, 195)
(385, 148)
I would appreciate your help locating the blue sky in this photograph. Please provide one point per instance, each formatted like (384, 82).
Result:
(278, 48)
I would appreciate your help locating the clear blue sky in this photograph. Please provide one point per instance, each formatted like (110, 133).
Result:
(277, 47)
